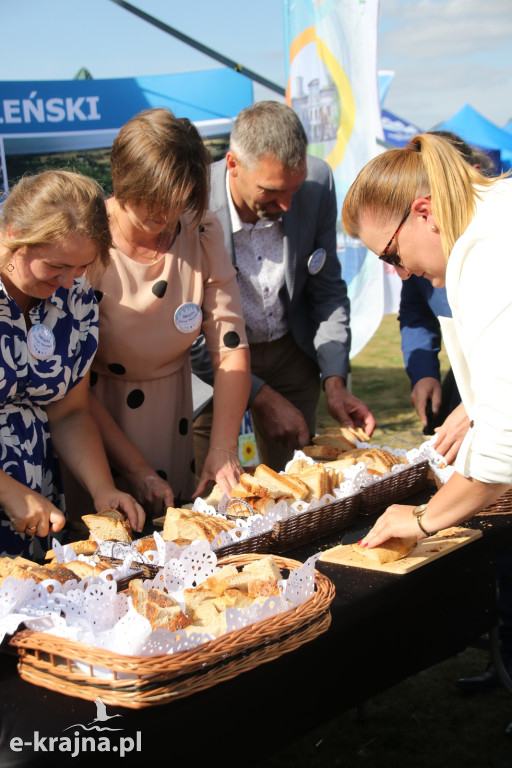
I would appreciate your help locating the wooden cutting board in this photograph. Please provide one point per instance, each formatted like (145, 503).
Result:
(424, 552)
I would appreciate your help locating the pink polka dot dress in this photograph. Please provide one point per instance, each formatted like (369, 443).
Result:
(149, 316)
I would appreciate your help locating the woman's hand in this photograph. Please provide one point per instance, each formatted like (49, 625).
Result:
(397, 521)
(111, 498)
(451, 433)
(151, 491)
(223, 466)
(28, 511)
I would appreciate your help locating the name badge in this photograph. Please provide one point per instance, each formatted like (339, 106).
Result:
(188, 317)
(41, 341)
(316, 261)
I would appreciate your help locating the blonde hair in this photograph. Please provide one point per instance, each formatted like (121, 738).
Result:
(428, 165)
(160, 161)
(45, 208)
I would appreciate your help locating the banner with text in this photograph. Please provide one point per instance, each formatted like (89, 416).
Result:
(332, 84)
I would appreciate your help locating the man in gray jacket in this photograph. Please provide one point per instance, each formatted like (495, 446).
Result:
(277, 206)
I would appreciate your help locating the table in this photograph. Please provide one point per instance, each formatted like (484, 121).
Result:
(384, 628)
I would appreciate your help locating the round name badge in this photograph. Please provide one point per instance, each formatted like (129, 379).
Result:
(41, 341)
(316, 261)
(188, 317)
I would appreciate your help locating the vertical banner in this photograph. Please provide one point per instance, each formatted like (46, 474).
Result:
(333, 86)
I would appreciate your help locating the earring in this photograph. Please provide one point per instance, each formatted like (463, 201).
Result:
(434, 229)
(10, 267)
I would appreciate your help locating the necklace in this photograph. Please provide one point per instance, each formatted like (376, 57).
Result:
(133, 246)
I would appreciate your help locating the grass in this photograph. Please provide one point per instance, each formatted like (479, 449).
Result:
(379, 378)
(423, 722)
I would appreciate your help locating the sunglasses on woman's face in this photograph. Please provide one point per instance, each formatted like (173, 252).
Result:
(394, 258)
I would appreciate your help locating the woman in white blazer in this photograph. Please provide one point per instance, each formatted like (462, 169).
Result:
(424, 210)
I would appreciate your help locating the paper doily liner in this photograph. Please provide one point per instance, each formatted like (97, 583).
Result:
(436, 461)
(92, 611)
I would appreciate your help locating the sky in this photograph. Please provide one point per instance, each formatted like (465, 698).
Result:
(444, 53)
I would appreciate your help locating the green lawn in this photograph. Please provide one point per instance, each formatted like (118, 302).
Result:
(379, 378)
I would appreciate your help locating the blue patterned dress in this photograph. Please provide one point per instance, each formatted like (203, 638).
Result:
(27, 385)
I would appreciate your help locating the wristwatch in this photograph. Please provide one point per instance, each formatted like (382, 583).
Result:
(418, 512)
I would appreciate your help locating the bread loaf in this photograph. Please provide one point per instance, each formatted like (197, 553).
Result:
(391, 550)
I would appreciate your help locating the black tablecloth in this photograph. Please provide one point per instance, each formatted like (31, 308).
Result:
(385, 627)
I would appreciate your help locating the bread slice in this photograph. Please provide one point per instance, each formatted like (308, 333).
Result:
(338, 441)
(350, 433)
(83, 547)
(8, 564)
(297, 464)
(264, 568)
(82, 569)
(392, 549)
(321, 452)
(280, 486)
(317, 480)
(215, 496)
(146, 544)
(254, 486)
(109, 525)
(189, 525)
(159, 608)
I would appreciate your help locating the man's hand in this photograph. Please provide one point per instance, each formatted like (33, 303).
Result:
(346, 408)
(451, 433)
(424, 390)
(152, 492)
(284, 423)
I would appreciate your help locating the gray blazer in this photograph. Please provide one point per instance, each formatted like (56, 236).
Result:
(317, 306)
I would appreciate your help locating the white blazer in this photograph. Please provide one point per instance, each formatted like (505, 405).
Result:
(478, 336)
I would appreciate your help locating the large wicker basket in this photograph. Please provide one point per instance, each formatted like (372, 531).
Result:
(502, 506)
(394, 488)
(314, 524)
(48, 661)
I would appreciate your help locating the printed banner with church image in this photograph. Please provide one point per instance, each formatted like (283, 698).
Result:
(332, 84)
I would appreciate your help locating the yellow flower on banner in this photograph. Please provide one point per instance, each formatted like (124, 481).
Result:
(247, 449)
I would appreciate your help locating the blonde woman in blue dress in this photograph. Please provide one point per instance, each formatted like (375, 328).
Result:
(53, 228)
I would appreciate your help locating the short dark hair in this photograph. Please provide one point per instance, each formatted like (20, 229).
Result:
(160, 161)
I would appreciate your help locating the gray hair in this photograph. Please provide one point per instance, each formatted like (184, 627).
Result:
(269, 129)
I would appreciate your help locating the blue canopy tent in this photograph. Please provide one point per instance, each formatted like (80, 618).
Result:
(476, 130)
(62, 115)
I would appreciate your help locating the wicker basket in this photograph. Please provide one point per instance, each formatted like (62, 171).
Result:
(314, 524)
(259, 544)
(394, 488)
(48, 661)
(501, 506)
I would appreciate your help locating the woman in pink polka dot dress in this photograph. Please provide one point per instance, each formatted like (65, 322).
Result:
(169, 279)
